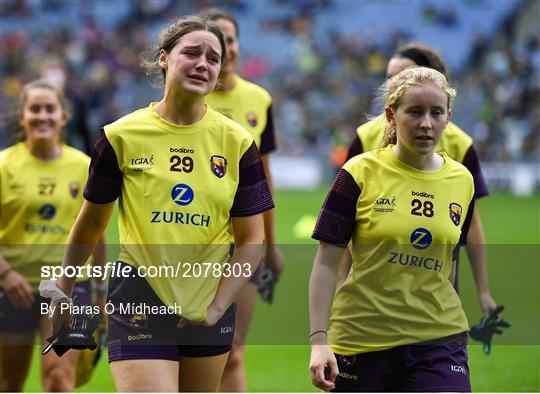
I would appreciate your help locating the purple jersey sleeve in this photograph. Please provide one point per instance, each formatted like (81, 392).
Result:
(464, 230)
(104, 178)
(253, 194)
(337, 217)
(268, 136)
(356, 148)
(473, 165)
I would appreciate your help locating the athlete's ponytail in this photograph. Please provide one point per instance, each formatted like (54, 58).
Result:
(390, 136)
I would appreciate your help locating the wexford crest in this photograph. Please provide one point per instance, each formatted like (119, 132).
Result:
(252, 119)
(74, 188)
(218, 165)
(455, 213)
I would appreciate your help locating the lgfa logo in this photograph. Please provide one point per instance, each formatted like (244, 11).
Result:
(182, 194)
(226, 330)
(384, 204)
(142, 163)
(458, 368)
(421, 238)
(386, 201)
(149, 161)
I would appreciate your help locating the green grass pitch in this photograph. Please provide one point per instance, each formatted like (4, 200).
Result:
(277, 358)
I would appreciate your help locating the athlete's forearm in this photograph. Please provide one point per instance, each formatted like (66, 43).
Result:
(322, 285)
(98, 255)
(99, 284)
(269, 230)
(476, 251)
(344, 267)
(85, 234)
(248, 258)
(248, 241)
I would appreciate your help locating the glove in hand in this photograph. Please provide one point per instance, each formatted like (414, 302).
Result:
(79, 335)
(266, 282)
(489, 326)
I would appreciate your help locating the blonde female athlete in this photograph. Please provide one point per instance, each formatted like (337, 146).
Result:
(396, 323)
(456, 143)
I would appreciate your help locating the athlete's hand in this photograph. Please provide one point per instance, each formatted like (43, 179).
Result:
(323, 358)
(213, 314)
(61, 304)
(489, 326)
(18, 290)
(273, 259)
(61, 316)
(487, 303)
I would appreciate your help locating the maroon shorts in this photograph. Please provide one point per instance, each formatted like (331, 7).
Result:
(18, 320)
(434, 366)
(142, 336)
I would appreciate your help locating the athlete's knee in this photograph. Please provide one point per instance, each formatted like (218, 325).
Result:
(58, 379)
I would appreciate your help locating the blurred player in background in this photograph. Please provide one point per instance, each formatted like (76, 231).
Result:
(456, 143)
(41, 183)
(183, 173)
(396, 323)
(250, 106)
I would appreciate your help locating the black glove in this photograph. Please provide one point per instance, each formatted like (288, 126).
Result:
(492, 324)
(79, 335)
(266, 281)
